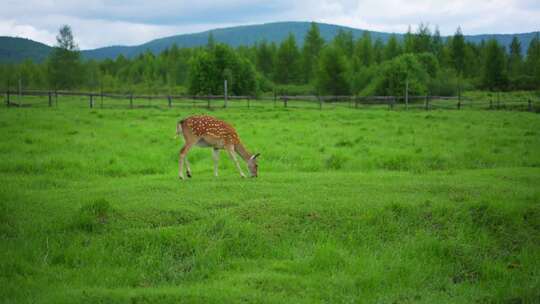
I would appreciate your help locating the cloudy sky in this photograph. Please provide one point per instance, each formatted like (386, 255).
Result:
(98, 23)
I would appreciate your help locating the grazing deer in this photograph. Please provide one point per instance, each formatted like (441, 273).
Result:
(207, 131)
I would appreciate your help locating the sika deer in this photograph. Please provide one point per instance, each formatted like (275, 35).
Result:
(207, 131)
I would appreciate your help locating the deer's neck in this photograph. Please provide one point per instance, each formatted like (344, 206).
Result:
(242, 151)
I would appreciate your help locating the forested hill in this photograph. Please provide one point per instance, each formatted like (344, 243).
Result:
(17, 49)
(233, 36)
(14, 50)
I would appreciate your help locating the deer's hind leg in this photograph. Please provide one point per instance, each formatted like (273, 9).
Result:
(181, 157)
(188, 168)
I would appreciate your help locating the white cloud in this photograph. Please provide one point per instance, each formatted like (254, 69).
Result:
(11, 28)
(99, 23)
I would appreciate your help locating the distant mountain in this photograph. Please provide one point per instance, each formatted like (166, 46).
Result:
(18, 49)
(234, 36)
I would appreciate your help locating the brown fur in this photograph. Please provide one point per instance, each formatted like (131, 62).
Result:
(215, 132)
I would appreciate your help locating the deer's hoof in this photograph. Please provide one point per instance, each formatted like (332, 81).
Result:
(181, 177)
(189, 174)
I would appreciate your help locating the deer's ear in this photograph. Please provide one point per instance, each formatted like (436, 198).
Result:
(255, 156)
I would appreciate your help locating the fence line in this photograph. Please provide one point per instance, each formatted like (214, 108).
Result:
(427, 102)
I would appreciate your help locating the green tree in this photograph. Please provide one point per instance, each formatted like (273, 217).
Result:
(210, 67)
(265, 59)
(515, 61)
(288, 62)
(30, 75)
(429, 62)
(211, 41)
(202, 76)
(437, 44)
(378, 51)
(533, 62)
(392, 48)
(64, 63)
(494, 71)
(457, 51)
(332, 73)
(408, 42)
(93, 79)
(344, 42)
(313, 43)
(472, 61)
(422, 39)
(395, 74)
(246, 79)
(363, 50)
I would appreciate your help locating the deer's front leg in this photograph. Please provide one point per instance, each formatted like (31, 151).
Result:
(233, 156)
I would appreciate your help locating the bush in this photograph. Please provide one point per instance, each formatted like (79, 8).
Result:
(429, 62)
(93, 216)
(209, 68)
(335, 162)
(265, 85)
(394, 74)
(291, 89)
(445, 83)
(362, 78)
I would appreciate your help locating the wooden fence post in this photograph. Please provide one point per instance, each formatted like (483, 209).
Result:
(285, 102)
(56, 98)
(50, 99)
(426, 103)
(407, 94)
(459, 104)
(226, 93)
(208, 102)
(275, 98)
(530, 105)
(91, 101)
(320, 102)
(169, 101)
(491, 104)
(7, 98)
(248, 102)
(131, 101)
(101, 97)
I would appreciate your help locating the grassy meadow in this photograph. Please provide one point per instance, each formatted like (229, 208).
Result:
(351, 206)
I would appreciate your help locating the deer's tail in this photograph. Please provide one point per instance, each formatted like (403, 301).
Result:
(179, 128)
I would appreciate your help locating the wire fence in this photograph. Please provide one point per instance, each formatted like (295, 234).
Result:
(35, 98)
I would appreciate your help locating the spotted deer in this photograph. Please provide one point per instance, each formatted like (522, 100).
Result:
(207, 131)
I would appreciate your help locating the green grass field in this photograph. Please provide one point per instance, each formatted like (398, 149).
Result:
(351, 206)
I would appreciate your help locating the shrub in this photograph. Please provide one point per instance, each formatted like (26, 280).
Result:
(335, 162)
(394, 74)
(209, 68)
(93, 216)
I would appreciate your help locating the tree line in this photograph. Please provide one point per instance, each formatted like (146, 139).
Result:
(422, 60)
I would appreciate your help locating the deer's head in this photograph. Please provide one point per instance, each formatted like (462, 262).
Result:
(252, 165)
